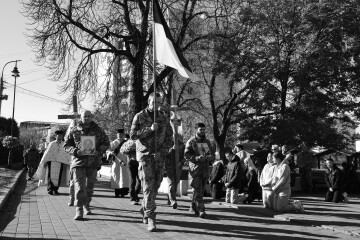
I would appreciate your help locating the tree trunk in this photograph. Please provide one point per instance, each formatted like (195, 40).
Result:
(137, 89)
(220, 145)
(10, 158)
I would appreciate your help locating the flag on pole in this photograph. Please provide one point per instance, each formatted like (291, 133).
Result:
(166, 51)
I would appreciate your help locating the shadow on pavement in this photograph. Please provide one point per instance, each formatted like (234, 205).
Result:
(231, 231)
(8, 211)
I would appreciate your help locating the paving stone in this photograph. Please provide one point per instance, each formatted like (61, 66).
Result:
(42, 215)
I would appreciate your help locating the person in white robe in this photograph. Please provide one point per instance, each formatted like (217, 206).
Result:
(280, 185)
(265, 183)
(119, 176)
(54, 165)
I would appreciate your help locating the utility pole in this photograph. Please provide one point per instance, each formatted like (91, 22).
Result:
(15, 75)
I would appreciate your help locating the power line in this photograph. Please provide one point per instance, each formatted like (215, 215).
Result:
(32, 71)
(35, 94)
(37, 79)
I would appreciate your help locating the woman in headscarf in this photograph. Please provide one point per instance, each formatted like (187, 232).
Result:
(251, 180)
(216, 174)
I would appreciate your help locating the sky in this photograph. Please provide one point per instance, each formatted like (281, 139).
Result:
(37, 98)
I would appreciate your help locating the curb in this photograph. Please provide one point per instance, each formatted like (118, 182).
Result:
(8, 189)
(293, 220)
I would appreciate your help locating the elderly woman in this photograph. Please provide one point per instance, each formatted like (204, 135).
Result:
(251, 180)
(281, 186)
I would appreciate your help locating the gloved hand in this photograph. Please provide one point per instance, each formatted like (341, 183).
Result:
(200, 158)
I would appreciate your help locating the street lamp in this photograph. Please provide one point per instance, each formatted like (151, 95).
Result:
(4, 97)
(15, 75)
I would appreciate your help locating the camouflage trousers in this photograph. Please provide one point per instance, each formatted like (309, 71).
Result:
(198, 184)
(173, 178)
(84, 180)
(71, 186)
(151, 175)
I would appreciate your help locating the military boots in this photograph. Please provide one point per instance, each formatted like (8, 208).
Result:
(144, 218)
(87, 209)
(152, 223)
(79, 213)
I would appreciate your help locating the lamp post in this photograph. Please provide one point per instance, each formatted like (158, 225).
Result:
(4, 97)
(15, 75)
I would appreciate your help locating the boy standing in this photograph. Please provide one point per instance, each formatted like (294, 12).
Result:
(232, 177)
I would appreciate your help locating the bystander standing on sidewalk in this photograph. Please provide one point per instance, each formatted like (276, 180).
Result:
(31, 160)
(232, 177)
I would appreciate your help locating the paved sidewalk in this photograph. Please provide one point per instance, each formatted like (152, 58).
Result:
(30, 213)
(6, 191)
(338, 217)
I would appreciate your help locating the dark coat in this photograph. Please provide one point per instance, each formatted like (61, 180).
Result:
(251, 180)
(217, 173)
(334, 178)
(253, 186)
(234, 173)
(32, 157)
(216, 186)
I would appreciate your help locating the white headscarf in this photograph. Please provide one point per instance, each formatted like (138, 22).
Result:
(249, 162)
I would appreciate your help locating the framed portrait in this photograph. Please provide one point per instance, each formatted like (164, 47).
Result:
(87, 145)
(204, 149)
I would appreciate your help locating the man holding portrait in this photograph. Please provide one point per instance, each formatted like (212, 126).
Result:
(86, 142)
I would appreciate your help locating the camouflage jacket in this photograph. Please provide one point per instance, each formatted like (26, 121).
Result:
(73, 145)
(144, 136)
(194, 148)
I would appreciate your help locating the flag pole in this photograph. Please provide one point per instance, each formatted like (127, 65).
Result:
(154, 73)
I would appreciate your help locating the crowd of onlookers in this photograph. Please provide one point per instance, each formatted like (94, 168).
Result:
(270, 176)
(248, 177)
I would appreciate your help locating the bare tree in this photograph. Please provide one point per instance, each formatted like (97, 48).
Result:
(72, 38)
(233, 70)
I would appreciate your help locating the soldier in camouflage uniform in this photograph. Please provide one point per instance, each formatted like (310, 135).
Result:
(151, 161)
(199, 152)
(84, 167)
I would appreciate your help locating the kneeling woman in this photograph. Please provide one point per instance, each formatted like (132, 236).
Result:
(281, 186)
